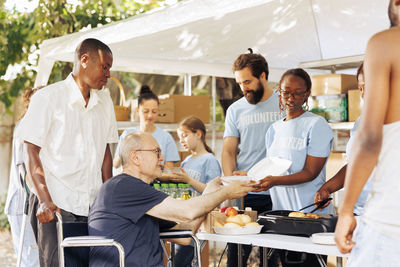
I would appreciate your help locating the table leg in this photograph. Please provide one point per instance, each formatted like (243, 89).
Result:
(239, 248)
(339, 261)
(321, 260)
(265, 256)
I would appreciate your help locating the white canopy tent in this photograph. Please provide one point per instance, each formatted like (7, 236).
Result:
(203, 37)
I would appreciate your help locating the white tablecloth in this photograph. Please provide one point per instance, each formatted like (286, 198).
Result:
(293, 243)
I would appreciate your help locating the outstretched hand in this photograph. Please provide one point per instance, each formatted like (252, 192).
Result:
(264, 184)
(213, 185)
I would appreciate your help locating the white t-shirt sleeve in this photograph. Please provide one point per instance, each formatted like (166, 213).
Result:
(320, 139)
(230, 125)
(36, 123)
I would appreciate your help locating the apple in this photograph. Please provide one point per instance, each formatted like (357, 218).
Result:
(223, 209)
(230, 212)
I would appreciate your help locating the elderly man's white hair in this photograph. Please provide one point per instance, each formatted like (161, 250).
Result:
(132, 141)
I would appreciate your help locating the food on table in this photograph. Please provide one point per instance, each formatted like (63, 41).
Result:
(250, 224)
(245, 218)
(235, 219)
(231, 211)
(231, 225)
(312, 216)
(223, 209)
(218, 224)
(296, 214)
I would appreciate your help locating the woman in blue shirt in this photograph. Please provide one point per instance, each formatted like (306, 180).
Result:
(148, 108)
(306, 140)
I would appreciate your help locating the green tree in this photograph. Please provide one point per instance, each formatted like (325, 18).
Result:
(22, 33)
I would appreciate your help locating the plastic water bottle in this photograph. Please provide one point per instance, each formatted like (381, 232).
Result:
(188, 190)
(181, 189)
(157, 187)
(164, 188)
(173, 190)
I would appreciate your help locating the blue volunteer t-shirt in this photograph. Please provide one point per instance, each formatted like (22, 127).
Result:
(362, 199)
(308, 134)
(163, 138)
(250, 123)
(203, 168)
(119, 212)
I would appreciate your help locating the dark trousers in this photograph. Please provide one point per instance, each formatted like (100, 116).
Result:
(259, 203)
(183, 256)
(46, 233)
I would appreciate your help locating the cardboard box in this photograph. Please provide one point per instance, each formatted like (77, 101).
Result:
(354, 104)
(167, 110)
(185, 106)
(208, 223)
(332, 84)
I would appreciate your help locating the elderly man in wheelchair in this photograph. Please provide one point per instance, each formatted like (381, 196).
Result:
(128, 210)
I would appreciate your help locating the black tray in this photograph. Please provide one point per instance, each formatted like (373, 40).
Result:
(278, 222)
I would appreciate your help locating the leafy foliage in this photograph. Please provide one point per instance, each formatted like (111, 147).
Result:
(22, 33)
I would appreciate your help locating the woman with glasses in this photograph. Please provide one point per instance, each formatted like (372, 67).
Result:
(306, 140)
(148, 108)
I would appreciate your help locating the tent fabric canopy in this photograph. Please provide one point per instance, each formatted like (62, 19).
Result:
(203, 37)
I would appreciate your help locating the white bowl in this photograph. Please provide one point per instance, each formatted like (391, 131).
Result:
(244, 230)
(269, 166)
(227, 179)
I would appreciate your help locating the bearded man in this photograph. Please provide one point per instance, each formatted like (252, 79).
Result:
(247, 121)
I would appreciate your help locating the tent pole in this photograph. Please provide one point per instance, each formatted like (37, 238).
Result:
(187, 84)
(214, 96)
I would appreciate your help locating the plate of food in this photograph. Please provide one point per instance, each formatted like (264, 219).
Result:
(269, 166)
(228, 179)
(239, 224)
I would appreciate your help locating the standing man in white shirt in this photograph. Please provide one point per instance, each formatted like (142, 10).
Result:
(246, 123)
(66, 130)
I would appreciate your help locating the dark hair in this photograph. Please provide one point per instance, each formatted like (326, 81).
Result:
(193, 124)
(360, 70)
(298, 72)
(90, 45)
(26, 99)
(255, 62)
(146, 94)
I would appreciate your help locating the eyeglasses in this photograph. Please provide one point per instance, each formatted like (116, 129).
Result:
(287, 94)
(156, 150)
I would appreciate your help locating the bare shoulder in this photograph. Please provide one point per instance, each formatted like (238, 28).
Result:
(385, 39)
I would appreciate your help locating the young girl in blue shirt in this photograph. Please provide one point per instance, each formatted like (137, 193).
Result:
(198, 169)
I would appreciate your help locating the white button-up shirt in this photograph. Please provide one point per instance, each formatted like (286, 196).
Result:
(73, 141)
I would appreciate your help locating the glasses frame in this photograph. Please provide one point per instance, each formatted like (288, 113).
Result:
(155, 150)
(295, 95)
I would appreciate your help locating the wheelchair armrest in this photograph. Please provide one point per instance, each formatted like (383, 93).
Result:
(176, 233)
